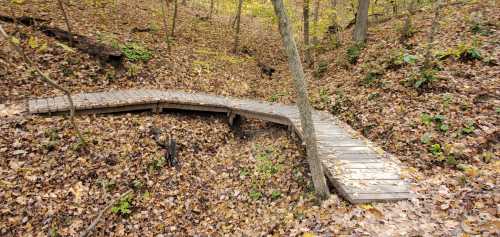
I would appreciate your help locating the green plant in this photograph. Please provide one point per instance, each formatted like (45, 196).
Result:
(123, 206)
(478, 28)
(372, 79)
(136, 52)
(265, 165)
(447, 100)
(321, 68)
(157, 164)
(255, 194)
(353, 52)
(425, 118)
(468, 127)
(463, 52)
(133, 70)
(275, 97)
(425, 77)
(435, 149)
(275, 194)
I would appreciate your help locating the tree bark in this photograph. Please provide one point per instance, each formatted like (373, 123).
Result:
(238, 22)
(304, 107)
(165, 21)
(49, 81)
(361, 27)
(315, 21)
(307, 43)
(432, 33)
(66, 19)
(211, 9)
(174, 20)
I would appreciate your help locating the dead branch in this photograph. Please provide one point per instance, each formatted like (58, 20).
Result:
(83, 43)
(92, 225)
(66, 19)
(46, 79)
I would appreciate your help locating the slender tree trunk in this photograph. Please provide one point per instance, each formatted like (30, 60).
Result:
(174, 20)
(334, 22)
(238, 23)
(211, 9)
(432, 33)
(307, 43)
(361, 27)
(66, 19)
(303, 101)
(315, 21)
(164, 5)
(405, 32)
(49, 81)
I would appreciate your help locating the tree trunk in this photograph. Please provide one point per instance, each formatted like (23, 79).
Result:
(237, 33)
(432, 33)
(174, 20)
(303, 101)
(307, 43)
(315, 21)
(334, 23)
(211, 9)
(66, 19)
(49, 81)
(165, 21)
(361, 27)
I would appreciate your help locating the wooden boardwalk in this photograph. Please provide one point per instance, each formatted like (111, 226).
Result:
(360, 171)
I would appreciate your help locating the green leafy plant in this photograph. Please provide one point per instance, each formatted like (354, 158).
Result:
(463, 52)
(157, 164)
(425, 77)
(136, 52)
(255, 194)
(425, 118)
(321, 69)
(468, 127)
(265, 165)
(275, 194)
(353, 52)
(478, 28)
(275, 97)
(372, 79)
(435, 149)
(123, 206)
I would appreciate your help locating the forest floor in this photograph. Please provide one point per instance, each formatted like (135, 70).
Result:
(445, 133)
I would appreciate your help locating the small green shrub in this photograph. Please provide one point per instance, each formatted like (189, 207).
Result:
(426, 138)
(483, 30)
(255, 194)
(424, 78)
(321, 69)
(275, 194)
(123, 207)
(463, 52)
(136, 52)
(372, 79)
(435, 149)
(468, 127)
(353, 52)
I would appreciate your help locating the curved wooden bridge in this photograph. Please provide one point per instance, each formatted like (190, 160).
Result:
(360, 171)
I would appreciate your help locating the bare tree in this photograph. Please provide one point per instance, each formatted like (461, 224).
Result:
(307, 43)
(174, 18)
(46, 79)
(432, 33)
(406, 30)
(164, 4)
(334, 27)
(66, 19)
(238, 22)
(303, 102)
(361, 27)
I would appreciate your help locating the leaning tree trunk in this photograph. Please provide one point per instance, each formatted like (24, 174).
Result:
(303, 102)
(238, 22)
(66, 19)
(174, 18)
(432, 33)
(49, 81)
(307, 43)
(361, 27)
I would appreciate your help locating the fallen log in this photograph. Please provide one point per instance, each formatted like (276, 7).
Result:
(83, 43)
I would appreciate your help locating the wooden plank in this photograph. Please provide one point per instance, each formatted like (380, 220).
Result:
(352, 163)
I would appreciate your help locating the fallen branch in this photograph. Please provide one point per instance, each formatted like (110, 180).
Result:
(170, 148)
(83, 43)
(92, 225)
(46, 79)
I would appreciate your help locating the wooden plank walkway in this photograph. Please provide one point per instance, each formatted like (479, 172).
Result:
(360, 171)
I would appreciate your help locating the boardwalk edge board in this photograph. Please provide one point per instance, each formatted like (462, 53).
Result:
(359, 170)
